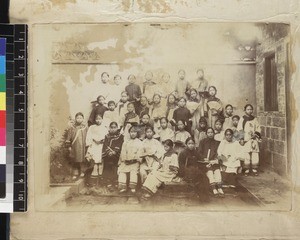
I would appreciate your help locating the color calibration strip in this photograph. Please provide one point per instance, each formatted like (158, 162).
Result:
(2, 117)
(16, 118)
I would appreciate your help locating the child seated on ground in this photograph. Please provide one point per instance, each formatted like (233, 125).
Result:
(166, 172)
(242, 151)
(129, 162)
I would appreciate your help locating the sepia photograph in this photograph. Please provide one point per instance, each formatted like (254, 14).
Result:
(161, 117)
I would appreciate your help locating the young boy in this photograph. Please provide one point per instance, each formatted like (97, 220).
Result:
(182, 85)
(219, 132)
(235, 122)
(149, 87)
(133, 90)
(200, 132)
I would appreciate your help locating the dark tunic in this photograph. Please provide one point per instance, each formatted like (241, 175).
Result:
(182, 113)
(204, 146)
(192, 171)
(99, 109)
(112, 142)
(134, 91)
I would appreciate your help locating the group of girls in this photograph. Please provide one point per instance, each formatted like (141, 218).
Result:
(156, 134)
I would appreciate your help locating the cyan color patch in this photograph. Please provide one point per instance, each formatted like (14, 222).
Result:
(2, 64)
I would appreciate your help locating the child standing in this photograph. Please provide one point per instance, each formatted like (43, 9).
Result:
(129, 162)
(149, 87)
(200, 84)
(122, 107)
(251, 127)
(165, 132)
(111, 152)
(228, 123)
(208, 154)
(166, 172)
(110, 115)
(181, 136)
(171, 106)
(131, 118)
(133, 90)
(75, 142)
(182, 113)
(157, 111)
(117, 89)
(99, 109)
(94, 142)
(152, 152)
(196, 108)
(142, 107)
(200, 132)
(213, 108)
(182, 85)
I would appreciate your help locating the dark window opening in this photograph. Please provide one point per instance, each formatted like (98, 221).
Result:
(271, 95)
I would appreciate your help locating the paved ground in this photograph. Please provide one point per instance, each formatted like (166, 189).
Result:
(168, 198)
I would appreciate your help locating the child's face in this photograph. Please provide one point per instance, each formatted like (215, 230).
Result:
(133, 133)
(131, 79)
(200, 74)
(163, 123)
(156, 99)
(111, 107)
(101, 100)
(202, 125)
(117, 80)
(113, 128)
(228, 136)
(181, 75)
(98, 120)
(212, 92)
(181, 103)
(143, 101)
(229, 110)
(79, 119)
(124, 97)
(104, 78)
(218, 126)
(249, 110)
(149, 133)
(242, 142)
(235, 122)
(193, 95)
(210, 133)
(130, 108)
(166, 78)
(148, 76)
(145, 119)
(171, 99)
(167, 148)
(191, 145)
(180, 126)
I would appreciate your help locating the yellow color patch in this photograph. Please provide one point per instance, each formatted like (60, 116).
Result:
(2, 101)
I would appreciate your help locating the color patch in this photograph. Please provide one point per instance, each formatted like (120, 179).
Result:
(2, 119)
(2, 136)
(2, 101)
(2, 83)
(2, 155)
(2, 46)
(2, 65)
